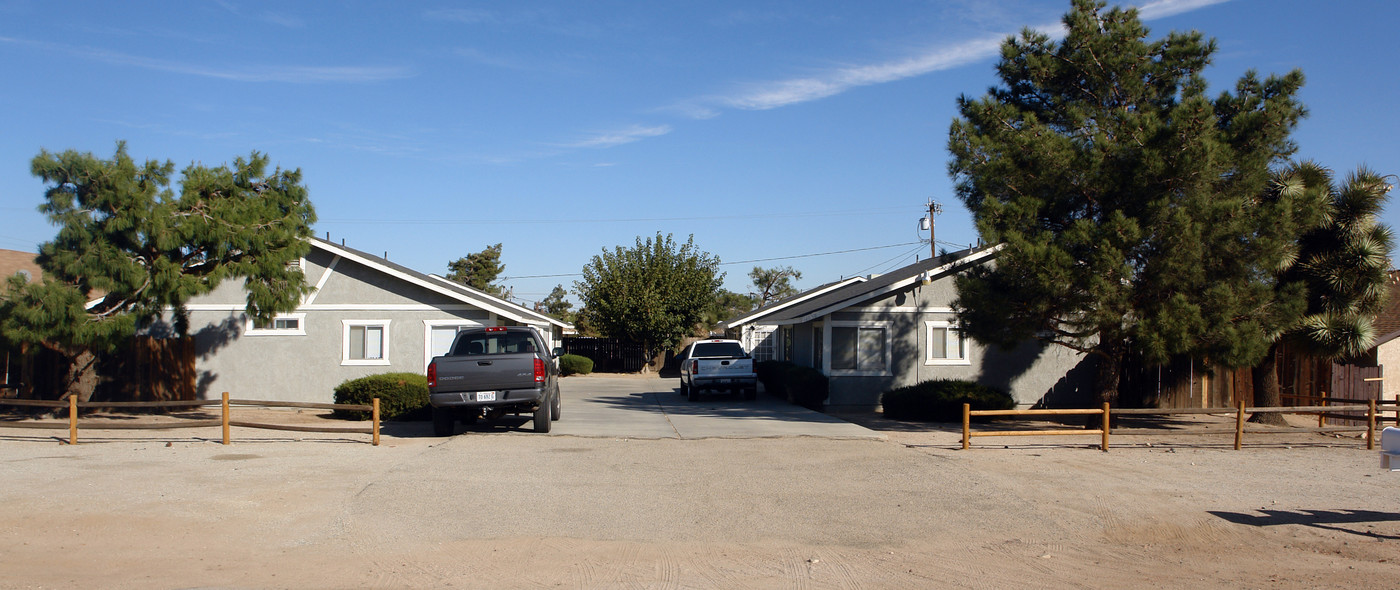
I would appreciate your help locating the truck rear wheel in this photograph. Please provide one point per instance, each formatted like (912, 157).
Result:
(444, 421)
(751, 393)
(542, 421)
(558, 405)
(692, 393)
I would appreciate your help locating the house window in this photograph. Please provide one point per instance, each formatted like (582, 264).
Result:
(944, 344)
(764, 344)
(860, 348)
(365, 342)
(439, 334)
(293, 324)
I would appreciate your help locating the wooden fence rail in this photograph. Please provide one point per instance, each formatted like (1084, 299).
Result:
(1373, 410)
(224, 420)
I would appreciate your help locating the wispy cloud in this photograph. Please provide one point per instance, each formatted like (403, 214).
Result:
(779, 93)
(282, 20)
(263, 73)
(619, 137)
(796, 90)
(470, 16)
(1165, 8)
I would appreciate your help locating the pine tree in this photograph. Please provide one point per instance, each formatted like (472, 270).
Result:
(130, 250)
(772, 284)
(1127, 199)
(478, 270)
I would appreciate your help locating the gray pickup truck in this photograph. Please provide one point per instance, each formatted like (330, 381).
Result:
(491, 372)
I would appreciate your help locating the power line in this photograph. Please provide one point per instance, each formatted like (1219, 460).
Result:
(577, 274)
(819, 254)
(840, 213)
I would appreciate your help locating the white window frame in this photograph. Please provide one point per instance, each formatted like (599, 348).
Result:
(300, 330)
(831, 348)
(346, 325)
(757, 334)
(953, 339)
(430, 325)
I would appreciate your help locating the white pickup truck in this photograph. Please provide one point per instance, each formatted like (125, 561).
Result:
(717, 365)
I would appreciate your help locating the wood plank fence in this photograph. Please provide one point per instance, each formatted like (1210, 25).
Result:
(609, 355)
(225, 420)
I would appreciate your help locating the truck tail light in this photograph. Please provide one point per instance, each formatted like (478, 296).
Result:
(694, 367)
(432, 374)
(539, 370)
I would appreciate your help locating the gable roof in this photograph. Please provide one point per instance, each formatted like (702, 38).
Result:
(440, 285)
(787, 302)
(850, 294)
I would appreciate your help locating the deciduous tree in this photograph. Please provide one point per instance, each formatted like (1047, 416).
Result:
(653, 293)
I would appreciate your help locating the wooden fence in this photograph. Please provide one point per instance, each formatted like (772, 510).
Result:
(225, 420)
(609, 355)
(1372, 415)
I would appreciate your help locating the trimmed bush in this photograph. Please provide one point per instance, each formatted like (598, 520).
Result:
(402, 396)
(573, 364)
(804, 386)
(941, 400)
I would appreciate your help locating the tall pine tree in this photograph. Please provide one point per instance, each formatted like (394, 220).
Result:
(1126, 198)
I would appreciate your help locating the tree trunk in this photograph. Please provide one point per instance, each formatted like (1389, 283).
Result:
(81, 377)
(1106, 381)
(1266, 389)
(1109, 375)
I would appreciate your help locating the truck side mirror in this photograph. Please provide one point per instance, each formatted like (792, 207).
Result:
(557, 352)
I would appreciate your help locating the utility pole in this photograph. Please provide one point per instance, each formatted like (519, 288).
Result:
(933, 209)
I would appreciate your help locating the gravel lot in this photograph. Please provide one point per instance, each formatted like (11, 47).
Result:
(511, 509)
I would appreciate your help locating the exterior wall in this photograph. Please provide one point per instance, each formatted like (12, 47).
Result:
(1388, 357)
(306, 365)
(1032, 373)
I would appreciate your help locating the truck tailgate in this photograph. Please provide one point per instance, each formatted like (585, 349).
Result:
(725, 368)
(485, 373)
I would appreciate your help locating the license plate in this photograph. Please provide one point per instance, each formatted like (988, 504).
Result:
(486, 396)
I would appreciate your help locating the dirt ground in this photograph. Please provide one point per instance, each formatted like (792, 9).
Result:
(175, 509)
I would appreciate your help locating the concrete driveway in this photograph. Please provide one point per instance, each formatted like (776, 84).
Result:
(652, 407)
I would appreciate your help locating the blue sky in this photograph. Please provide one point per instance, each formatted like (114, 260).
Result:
(774, 132)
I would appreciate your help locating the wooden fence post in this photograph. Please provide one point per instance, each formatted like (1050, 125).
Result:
(1239, 427)
(225, 417)
(1105, 427)
(376, 421)
(72, 419)
(1322, 418)
(1371, 426)
(967, 426)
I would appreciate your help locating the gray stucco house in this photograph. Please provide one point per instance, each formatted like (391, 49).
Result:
(871, 334)
(366, 316)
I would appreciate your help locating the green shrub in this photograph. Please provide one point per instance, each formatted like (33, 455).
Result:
(804, 386)
(402, 396)
(941, 400)
(573, 364)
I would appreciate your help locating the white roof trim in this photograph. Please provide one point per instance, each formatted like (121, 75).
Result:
(899, 285)
(763, 311)
(512, 312)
